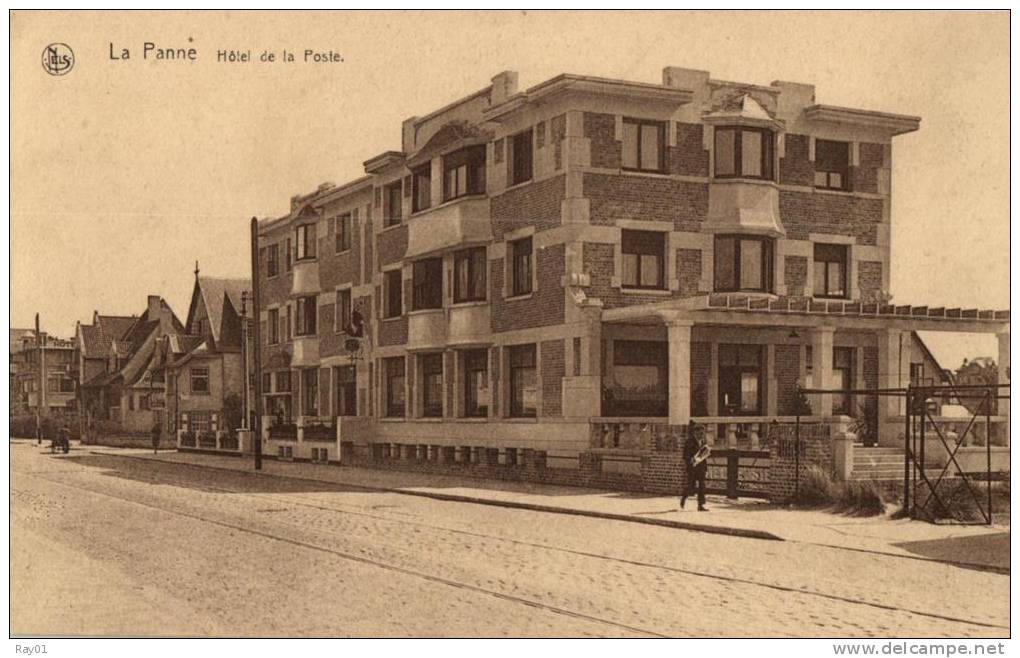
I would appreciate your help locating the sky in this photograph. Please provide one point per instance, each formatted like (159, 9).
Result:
(125, 172)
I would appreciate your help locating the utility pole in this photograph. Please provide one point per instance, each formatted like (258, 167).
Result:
(257, 347)
(40, 399)
(244, 360)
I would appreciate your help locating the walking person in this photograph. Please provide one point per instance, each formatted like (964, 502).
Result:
(696, 453)
(156, 431)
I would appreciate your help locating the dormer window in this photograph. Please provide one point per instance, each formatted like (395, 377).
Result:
(743, 152)
(464, 172)
(832, 165)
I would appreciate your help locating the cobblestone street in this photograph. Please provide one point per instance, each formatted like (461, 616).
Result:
(104, 544)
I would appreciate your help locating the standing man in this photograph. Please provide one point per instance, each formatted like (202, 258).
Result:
(696, 460)
(156, 431)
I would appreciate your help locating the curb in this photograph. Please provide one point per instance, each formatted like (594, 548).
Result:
(533, 507)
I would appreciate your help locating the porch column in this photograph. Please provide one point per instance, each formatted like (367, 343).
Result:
(1003, 363)
(893, 372)
(678, 331)
(821, 365)
(771, 383)
(712, 405)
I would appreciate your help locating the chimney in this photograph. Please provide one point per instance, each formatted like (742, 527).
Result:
(153, 307)
(681, 78)
(504, 85)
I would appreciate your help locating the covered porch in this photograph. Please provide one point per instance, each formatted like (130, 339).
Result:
(736, 363)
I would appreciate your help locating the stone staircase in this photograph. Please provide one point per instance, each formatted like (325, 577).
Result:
(876, 463)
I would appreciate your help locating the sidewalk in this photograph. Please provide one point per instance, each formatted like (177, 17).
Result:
(975, 546)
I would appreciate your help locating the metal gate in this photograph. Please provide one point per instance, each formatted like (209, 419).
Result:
(738, 473)
(953, 495)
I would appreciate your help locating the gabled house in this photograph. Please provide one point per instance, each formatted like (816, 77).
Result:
(114, 366)
(204, 366)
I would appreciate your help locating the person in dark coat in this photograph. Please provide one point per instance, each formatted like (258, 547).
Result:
(156, 432)
(695, 473)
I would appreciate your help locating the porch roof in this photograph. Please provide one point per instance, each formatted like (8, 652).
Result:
(764, 310)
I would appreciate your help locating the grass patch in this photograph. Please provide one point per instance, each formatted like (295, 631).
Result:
(858, 497)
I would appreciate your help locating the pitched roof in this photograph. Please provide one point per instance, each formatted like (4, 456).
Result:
(96, 344)
(116, 326)
(213, 293)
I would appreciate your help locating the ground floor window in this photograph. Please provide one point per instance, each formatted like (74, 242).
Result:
(432, 385)
(199, 421)
(523, 382)
(346, 391)
(310, 392)
(395, 397)
(842, 378)
(476, 384)
(740, 380)
(640, 384)
(279, 407)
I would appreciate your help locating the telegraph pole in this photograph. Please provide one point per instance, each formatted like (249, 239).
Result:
(257, 346)
(245, 406)
(40, 399)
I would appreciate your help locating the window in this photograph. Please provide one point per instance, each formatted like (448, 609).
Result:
(199, 421)
(283, 381)
(131, 401)
(743, 264)
(830, 270)
(842, 379)
(310, 391)
(523, 382)
(421, 186)
(640, 379)
(917, 375)
(642, 145)
(464, 172)
(306, 320)
(832, 165)
(393, 210)
(394, 300)
(305, 236)
(343, 232)
(742, 152)
(469, 268)
(289, 256)
(273, 326)
(740, 378)
(143, 402)
(66, 385)
(394, 386)
(200, 380)
(267, 382)
(476, 384)
(288, 324)
(520, 157)
(427, 284)
(520, 267)
(432, 385)
(343, 310)
(346, 391)
(643, 259)
(272, 260)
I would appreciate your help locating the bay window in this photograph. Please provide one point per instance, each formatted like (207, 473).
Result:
(427, 284)
(306, 316)
(743, 264)
(743, 152)
(464, 172)
(305, 237)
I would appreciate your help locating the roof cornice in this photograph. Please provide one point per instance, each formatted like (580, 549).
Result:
(894, 124)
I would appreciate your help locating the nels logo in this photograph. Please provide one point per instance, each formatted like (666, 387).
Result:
(58, 59)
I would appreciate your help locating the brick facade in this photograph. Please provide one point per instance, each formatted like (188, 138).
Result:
(682, 204)
(796, 273)
(601, 130)
(795, 167)
(787, 368)
(544, 307)
(689, 157)
(535, 204)
(688, 271)
(869, 280)
(392, 245)
(836, 214)
(553, 369)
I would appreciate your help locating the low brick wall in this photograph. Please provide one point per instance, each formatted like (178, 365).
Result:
(129, 441)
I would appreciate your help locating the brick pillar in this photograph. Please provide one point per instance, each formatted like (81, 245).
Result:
(893, 372)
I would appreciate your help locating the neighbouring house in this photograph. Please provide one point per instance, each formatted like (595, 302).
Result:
(205, 369)
(42, 374)
(118, 382)
(545, 271)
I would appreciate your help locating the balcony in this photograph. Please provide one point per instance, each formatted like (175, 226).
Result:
(306, 352)
(469, 323)
(744, 206)
(426, 329)
(306, 277)
(459, 222)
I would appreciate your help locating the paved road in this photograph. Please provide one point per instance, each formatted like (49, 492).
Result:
(105, 544)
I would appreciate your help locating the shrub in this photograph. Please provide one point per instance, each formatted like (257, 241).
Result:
(816, 488)
(861, 497)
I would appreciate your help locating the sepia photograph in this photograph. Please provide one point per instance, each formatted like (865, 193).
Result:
(510, 324)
